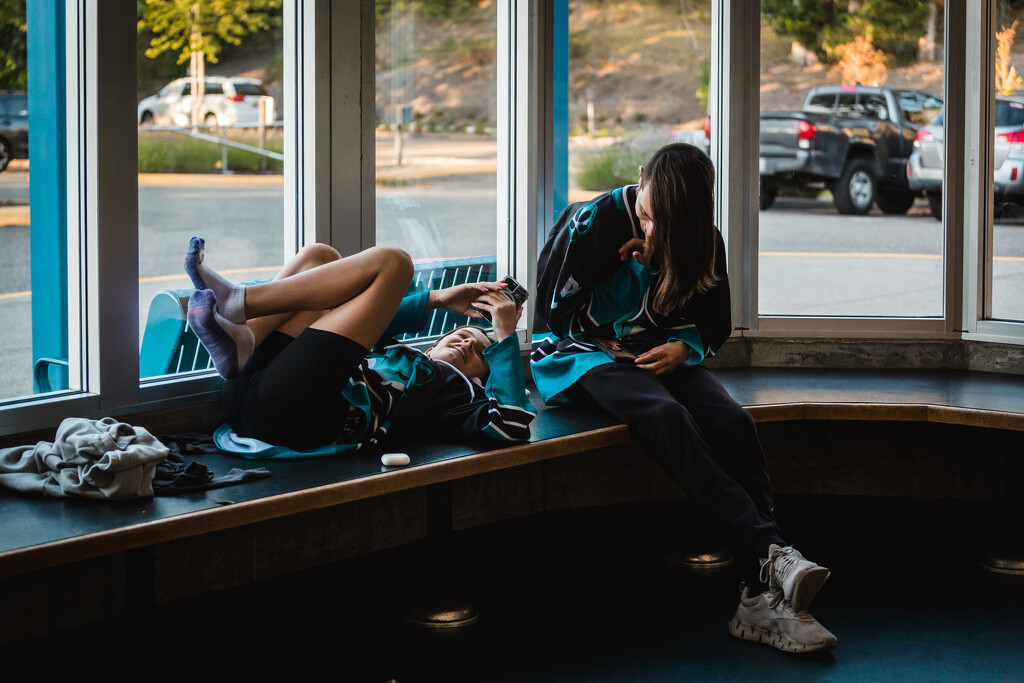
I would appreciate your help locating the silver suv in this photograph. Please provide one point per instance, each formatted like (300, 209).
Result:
(924, 169)
(227, 101)
(13, 127)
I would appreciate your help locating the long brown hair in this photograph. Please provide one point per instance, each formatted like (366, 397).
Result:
(680, 182)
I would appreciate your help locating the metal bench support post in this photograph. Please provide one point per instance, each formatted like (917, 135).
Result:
(440, 610)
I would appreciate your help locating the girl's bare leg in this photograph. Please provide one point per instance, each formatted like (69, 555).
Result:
(292, 323)
(364, 290)
(364, 317)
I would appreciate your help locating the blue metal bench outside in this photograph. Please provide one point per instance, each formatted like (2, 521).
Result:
(169, 347)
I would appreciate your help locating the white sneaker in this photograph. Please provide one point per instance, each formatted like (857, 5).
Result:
(770, 619)
(799, 578)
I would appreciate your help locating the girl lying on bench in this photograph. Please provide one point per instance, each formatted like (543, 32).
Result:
(296, 352)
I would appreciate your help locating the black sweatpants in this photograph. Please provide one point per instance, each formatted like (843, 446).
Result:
(694, 429)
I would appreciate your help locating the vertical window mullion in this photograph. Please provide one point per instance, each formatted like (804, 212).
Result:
(530, 115)
(508, 129)
(957, 60)
(351, 224)
(735, 126)
(111, 210)
(977, 165)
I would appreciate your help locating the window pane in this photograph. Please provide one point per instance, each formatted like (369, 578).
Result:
(637, 80)
(843, 231)
(436, 145)
(33, 224)
(211, 168)
(1007, 267)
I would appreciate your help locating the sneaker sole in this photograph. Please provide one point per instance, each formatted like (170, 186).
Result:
(779, 641)
(806, 586)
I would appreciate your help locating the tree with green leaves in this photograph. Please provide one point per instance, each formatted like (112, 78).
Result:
(188, 26)
(821, 25)
(197, 30)
(13, 45)
(805, 21)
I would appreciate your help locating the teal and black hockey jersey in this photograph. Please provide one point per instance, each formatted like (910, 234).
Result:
(585, 291)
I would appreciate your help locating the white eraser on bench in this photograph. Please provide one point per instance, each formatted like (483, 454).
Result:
(394, 460)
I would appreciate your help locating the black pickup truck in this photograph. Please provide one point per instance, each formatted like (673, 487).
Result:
(854, 140)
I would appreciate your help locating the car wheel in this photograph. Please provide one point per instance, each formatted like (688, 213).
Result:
(210, 119)
(935, 205)
(768, 195)
(854, 192)
(894, 203)
(146, 119)
(5, 154)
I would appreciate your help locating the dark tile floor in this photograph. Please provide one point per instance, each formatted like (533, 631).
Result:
(587, 596)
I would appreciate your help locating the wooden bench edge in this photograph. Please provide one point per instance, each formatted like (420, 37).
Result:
(127, 538)
(888, 412)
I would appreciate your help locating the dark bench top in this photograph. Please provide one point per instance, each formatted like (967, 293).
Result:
(37, 532)
(977, 399)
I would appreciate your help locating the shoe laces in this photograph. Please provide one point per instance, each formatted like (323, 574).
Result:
(775, 596)
(779, 564)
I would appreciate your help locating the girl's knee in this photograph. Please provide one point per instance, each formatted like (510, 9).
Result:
(395, 259)
(666, 413)
(393, 263)
(737, 426)
(313, 255)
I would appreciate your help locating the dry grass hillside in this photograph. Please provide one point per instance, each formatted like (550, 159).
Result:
(636, 62)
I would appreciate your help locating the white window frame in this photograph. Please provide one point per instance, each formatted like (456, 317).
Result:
(524, 85)
(980, 27)
(967, 195)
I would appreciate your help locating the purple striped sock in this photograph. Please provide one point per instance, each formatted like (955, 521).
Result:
(230, 297)
(193, 257)
(230, 345)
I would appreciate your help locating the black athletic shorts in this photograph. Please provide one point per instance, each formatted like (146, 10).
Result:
(289, 393)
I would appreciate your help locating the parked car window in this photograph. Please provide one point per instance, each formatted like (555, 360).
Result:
(913, 109)
(1009, 113)
(14, 106)
(214, 88)
(931, 105)
(248, 89)
(821, 102)
(872, 106)
(847, 104)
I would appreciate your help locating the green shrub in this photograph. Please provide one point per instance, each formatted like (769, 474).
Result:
(166, 152)
(611, 167)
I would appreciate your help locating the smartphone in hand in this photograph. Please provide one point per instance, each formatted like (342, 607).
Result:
(514, 291)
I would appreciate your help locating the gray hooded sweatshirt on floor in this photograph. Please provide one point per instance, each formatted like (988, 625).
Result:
(102, 459)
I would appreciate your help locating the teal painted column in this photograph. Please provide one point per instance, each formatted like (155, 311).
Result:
(48, 186)
(560, 108)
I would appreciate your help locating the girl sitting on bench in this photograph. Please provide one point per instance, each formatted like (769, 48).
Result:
(632, 295)
(296, 353)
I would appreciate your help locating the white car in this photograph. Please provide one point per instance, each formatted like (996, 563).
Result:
(924, 169)
(227, 101)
